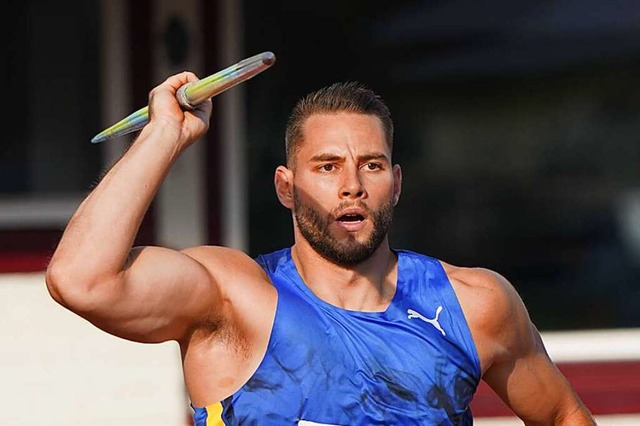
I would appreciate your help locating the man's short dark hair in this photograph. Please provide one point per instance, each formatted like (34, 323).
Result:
(339, 97)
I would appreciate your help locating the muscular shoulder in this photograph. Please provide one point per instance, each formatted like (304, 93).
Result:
(486, 292)
(228, 266)
(498, 319)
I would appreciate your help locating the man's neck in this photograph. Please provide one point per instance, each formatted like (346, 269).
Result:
(368, 286)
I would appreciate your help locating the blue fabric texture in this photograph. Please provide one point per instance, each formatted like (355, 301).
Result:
(200, 416)
(413, 364)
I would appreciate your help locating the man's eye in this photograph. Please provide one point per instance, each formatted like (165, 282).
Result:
(327, 167)
(373, 166)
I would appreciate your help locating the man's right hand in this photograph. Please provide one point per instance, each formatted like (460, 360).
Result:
(167, 117)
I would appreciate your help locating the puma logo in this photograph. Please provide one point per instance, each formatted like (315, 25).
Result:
(434, 322)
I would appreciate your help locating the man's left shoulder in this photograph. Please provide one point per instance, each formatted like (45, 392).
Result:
(487, 298)
(477, 279)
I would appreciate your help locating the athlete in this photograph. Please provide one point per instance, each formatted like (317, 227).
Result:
(338, 329)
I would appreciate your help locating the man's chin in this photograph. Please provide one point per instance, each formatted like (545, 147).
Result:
(351, 242)
(353, 256)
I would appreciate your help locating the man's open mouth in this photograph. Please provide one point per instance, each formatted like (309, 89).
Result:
(351, 217)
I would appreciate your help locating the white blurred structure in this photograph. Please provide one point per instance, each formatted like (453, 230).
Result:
(58, 369)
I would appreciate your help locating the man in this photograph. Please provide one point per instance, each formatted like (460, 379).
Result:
(338, 329)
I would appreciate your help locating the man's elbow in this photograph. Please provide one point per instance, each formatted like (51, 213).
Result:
(575, 414)
(71, 289)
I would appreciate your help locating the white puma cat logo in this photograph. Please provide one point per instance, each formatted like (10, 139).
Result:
(434, 322)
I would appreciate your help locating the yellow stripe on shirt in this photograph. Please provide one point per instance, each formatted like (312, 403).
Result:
(214, 417)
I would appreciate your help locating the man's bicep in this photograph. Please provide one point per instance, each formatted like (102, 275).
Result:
(158, 296)
(532, 386)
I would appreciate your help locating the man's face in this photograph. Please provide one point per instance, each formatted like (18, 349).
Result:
(345, 186)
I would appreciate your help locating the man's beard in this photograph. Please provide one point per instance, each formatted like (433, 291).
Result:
(346, 252)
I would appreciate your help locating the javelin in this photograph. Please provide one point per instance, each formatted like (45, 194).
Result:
(192, 94)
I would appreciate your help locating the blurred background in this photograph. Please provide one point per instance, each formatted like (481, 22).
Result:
(517, 127)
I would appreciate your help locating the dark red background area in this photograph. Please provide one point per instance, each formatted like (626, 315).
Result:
(27, 250)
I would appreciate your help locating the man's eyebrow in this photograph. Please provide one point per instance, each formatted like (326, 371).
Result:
(335, 157)
(373, 156)
(326, 157)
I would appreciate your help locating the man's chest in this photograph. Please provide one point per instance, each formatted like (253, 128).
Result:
(340, 369)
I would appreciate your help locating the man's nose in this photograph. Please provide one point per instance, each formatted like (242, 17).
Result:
(352, 186)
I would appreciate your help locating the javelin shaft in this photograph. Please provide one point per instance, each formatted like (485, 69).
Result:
(192, 94)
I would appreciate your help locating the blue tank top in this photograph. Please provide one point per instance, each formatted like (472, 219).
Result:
(413, 364)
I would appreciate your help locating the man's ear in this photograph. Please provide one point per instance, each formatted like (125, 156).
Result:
(283, 181)
(397, 183)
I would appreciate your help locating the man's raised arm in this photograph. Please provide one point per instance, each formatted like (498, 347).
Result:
(147, 294)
